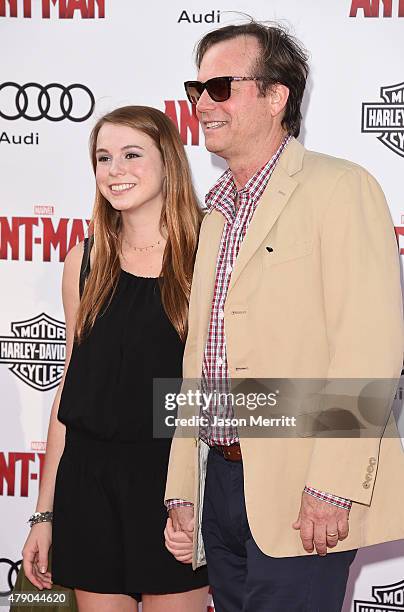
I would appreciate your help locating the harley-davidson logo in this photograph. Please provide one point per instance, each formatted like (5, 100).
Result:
(389, 598)
(36, 352)
(387, 118)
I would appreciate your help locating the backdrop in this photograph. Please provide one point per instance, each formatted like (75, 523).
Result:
(66, 62)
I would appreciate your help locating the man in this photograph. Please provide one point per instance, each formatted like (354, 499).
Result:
(297, 277)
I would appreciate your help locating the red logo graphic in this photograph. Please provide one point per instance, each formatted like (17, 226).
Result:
(400, 238)
(185, 121)
(62, 9)
(57, 237)
(44, 209)
(371, 8)
(38, 446)
(17, 470)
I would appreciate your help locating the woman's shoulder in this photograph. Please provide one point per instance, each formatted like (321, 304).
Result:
(71, 271)
(74, 257)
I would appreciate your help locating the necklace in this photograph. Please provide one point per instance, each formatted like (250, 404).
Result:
(146, 248)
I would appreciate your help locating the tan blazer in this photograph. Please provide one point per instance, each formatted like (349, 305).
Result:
(326, 303)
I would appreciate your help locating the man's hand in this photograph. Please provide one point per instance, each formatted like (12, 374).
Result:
(178, 543)
(179, 533)
(182, 518)
(321, 524)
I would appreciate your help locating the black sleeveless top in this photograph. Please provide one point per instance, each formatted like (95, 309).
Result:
(108, 389)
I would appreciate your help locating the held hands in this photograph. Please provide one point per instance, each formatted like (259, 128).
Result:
(321, 524)
(179, 533)
(35, 555)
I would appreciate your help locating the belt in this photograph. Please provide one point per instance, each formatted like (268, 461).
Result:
(231, 453)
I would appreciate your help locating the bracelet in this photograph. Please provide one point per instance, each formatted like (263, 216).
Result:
(40, 517)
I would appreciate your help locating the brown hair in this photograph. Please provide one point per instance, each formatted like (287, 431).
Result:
(181, 216)
(282, 60)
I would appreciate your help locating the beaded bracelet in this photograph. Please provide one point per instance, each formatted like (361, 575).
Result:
(40, 517)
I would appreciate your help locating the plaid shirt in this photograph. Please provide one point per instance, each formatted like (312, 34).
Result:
(238, 208)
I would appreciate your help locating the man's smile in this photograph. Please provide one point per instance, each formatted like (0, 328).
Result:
(214, 125)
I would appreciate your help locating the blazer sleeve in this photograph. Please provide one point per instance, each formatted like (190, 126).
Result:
(182, 467)
(181, 474)
(363, 313)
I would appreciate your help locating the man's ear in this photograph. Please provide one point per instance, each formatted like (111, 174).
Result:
(278, 96)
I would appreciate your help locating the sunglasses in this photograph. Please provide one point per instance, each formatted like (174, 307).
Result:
(218, 88)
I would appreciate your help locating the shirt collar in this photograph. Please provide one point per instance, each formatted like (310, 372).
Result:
(223, 193)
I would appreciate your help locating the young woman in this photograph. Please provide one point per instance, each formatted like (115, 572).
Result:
(104, 474)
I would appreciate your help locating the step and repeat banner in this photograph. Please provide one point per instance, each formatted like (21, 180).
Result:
(66, 62)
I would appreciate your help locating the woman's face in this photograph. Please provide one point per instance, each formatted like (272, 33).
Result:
(130, 170)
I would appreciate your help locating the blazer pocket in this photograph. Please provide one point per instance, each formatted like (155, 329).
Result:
(289, 253)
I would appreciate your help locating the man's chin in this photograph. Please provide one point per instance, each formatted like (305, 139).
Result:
(212, 146)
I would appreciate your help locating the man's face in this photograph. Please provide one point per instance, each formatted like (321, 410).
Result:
(242, 123)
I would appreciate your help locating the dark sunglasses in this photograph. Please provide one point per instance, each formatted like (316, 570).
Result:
(218, 88)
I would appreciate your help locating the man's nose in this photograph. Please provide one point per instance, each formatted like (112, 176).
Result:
(205, 103)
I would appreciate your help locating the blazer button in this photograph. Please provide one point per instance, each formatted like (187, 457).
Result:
(366, 485)
(370, 468)
(372, 460)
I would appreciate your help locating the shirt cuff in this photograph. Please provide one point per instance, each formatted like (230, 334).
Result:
(176, 503)
(341, 502)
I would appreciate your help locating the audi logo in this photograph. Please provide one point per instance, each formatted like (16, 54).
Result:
(54, 102)
(8, 570)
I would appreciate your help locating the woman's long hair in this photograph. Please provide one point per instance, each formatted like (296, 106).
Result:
(180, 215)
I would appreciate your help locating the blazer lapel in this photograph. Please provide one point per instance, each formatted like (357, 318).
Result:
(274, 199)
(209, 242)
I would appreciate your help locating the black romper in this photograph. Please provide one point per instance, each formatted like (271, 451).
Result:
(109, 515)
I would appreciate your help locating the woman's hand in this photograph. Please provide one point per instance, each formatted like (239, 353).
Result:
(35, 555)
(179, 543)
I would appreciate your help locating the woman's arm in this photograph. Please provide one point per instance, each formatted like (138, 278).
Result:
(36, 548)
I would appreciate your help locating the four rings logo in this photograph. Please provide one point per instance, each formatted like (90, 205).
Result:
(54, 102)
(389, 598)
(8, 575)
(36, 351)
(387, 117)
